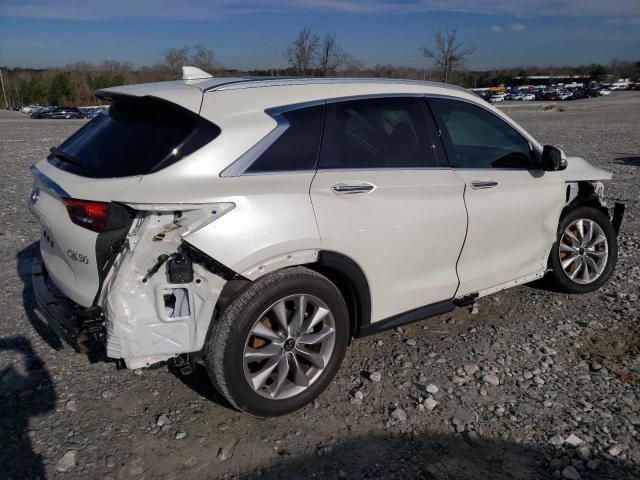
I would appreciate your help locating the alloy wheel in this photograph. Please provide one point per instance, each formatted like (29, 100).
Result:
(289, 346)
(584, 251)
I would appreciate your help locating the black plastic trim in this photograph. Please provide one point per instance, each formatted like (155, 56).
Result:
(80, 327)
(198, 256)
(110, 241)
(618, 213)
(360, 307)
(466, 300)
(411, 316)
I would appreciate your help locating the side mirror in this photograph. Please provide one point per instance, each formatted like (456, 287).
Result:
(553, 159)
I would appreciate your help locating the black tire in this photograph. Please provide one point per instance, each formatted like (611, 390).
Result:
(559, 279)
(225, 346)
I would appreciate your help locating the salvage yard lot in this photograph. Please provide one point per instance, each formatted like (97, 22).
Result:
(528, 384)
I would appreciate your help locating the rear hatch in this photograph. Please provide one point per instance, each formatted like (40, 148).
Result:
(76, 189)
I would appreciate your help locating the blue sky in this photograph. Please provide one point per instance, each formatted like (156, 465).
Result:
(249, 34)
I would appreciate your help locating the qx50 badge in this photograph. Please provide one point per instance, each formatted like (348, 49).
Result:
(77, 257)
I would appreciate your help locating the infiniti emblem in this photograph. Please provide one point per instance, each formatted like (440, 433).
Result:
(289, 344)
(35, 194)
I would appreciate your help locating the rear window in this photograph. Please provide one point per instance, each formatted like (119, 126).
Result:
(137, 136)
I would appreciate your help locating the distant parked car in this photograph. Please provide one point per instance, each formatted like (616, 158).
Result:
(565, 95)
(528, 97)
(91, 112)
(578, 93)
(604, 91)
(59, 112)
(498, 97)
(29, 108)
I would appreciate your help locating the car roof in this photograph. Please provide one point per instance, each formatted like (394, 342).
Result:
(188, 93)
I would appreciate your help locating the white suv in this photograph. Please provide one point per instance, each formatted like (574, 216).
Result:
(256, 225)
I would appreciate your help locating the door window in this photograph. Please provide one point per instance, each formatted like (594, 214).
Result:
(376, 133)
(476, 138)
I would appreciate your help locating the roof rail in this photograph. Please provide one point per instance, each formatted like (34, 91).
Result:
(254, 82)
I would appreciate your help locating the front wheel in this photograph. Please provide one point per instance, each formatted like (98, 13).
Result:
(280, 343)
(585, 252)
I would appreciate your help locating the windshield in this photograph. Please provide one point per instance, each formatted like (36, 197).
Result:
(137, 136)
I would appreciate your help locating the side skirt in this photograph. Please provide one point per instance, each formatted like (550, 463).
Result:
(411, 316)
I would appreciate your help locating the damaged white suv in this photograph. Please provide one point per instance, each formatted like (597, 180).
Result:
(255, 226)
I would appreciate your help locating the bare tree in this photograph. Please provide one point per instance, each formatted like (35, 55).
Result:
(203, 58)
(332, 56)
(446, 54)
(303, 51)
(174, 58)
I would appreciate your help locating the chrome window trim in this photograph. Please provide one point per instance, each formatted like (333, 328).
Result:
(240, 166)
(523, 133)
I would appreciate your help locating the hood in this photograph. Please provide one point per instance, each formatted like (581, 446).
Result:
(578, 170)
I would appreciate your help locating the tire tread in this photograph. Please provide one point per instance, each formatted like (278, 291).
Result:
(224, 326)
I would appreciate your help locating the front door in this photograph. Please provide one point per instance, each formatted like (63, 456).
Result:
(513, 206)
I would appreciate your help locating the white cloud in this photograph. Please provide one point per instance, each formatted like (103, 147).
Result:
(518, 27)
(495, 28)
(212, 9)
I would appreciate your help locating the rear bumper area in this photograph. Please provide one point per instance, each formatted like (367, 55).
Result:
(82, 328)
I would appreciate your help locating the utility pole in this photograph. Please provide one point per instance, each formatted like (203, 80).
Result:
(4, 94)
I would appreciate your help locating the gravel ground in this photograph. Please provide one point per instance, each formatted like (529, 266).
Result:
(527, 384)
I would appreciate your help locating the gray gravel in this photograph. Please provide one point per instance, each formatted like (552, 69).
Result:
(533, 385)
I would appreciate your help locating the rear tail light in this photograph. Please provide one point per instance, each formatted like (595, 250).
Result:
(87, 213)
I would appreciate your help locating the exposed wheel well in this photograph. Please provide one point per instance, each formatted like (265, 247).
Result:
(352, 283)
(585, 195)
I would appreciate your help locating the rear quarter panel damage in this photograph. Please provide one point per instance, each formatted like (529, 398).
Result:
(141, 328)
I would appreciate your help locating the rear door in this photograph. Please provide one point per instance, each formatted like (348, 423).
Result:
(513, 206)
(382, 199)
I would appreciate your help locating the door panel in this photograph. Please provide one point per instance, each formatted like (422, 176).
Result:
(513, 218)
(405, 233)
(513, 206)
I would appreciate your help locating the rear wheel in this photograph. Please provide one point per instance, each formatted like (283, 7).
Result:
(586, 251)
(280, 343)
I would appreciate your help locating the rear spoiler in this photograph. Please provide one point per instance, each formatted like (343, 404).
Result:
(175, 92)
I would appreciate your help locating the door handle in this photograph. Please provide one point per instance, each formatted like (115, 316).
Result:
(483, 184)
(352, 188)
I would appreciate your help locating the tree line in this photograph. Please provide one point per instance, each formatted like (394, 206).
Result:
(309, 54)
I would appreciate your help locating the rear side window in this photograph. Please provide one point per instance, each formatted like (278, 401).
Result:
(376, 133)
(297, 148)
(476, 138)
(138, 135)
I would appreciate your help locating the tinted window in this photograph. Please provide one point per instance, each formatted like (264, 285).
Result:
(476, 138)
(297, 147)
(137, 136)
(376, 133)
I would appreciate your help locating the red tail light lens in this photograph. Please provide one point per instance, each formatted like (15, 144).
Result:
(87, 213)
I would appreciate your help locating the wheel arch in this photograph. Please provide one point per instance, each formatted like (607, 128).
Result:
(350, 279)
(579, 194)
